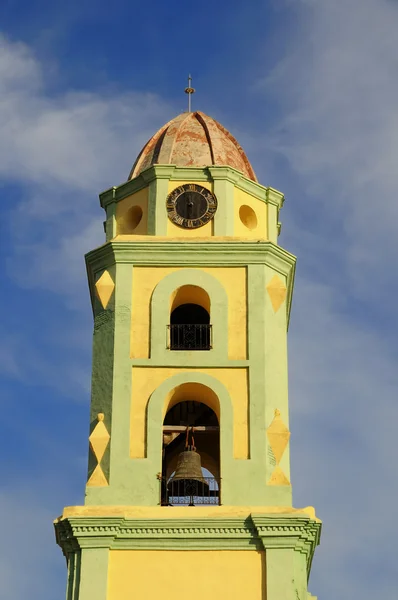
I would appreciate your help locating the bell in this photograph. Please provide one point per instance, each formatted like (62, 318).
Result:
(188, 479)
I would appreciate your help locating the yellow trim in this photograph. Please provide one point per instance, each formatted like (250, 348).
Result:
(104, 288)
(233, 279)
(180, 512)
(97, 478)
(190, 294)
(208, 185)
(164, 238)
(145, 382)
(197, 392)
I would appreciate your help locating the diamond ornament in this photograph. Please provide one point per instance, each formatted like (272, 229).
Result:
(278, 436)
(277, 292)
(278, 478)
(99, 438)
(97, 478)
(104, 288)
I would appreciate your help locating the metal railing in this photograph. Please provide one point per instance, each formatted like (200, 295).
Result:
(189, 337)
(189, 492)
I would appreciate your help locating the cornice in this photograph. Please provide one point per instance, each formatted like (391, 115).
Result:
(117, 193)
(152, 251)
(175, 173)
(274, 197)
(163, 252)
(298, 532)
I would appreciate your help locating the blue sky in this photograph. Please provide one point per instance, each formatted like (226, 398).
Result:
(310, 90)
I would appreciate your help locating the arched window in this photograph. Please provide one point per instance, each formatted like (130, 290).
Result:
(191, 451)
(190, 327)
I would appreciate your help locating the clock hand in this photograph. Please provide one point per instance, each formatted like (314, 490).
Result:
(189, 207)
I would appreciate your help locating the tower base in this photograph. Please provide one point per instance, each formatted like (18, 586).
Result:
(253, 553)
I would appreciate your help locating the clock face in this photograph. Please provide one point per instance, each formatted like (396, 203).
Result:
(191, 206)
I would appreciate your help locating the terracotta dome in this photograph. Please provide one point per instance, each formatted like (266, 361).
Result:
(193, 139)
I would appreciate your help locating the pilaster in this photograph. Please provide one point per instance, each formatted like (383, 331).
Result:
(223, 188)
(119, 444)
(74, 567)
(110, 223)
(274, 202)
(275, 388)
(157, 214)
(256, 353)
(93, 574)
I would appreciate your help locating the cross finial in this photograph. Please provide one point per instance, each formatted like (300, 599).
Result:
(189, 90)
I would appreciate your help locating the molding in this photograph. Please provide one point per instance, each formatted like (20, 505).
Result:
(199, 359)
(173, 252)
(155, 415)
(160, 311)
(173, 172)
(168, 252)
(115, 194)
(255, 532)
(275, 197)
(289, 531)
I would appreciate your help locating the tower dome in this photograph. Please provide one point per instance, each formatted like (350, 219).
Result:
(192, 139)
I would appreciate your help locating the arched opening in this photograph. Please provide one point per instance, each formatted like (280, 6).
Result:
(191, 448)
(190, 294)
(190, 327)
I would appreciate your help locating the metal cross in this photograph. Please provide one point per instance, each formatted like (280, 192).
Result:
(189, 90)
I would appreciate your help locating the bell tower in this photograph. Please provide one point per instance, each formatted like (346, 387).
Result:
(188, 487)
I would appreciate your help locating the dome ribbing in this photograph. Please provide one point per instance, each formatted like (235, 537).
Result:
(192, 139)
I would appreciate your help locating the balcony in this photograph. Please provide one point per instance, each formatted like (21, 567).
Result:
(192, 492)
(189, 337)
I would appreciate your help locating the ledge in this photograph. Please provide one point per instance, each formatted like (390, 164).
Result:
(175, 173)
(156, 512)
(223, 251)
(189, 528)
(182, 252)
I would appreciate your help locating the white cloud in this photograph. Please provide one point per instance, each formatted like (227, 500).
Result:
(337, 91)
(8, 355)
(337, 128)
(81, 140)
(35, 360)
(343, 416)
(61, 151)
(57, 263)
(31, 564)
(57, 152)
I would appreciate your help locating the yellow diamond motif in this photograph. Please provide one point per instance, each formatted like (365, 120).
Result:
(277, 292)
(278, 478)
(99, 438)
(104, 288)
(278, 436)
(97, 478)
